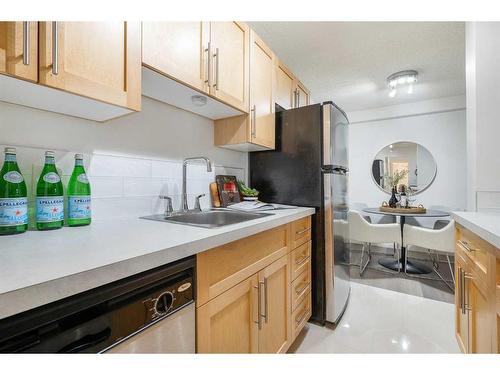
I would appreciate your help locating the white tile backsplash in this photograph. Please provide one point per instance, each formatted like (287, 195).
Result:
(106, 187)
(105, 165)
(126, 186)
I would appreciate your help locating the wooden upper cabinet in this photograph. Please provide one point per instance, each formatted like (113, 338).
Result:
(303, 95)
(285, 87)
(229, 322)
(178, 50)
(229, 45)
(19, 49)
(275, 334)
(262, 70)
(99, 60)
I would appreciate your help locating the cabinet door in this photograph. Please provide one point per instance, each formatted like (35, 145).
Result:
(262, 125)
(228, 323)
(480, 327)
(302, 96)
(179, 50)
(229, 43)
(461, 313)
(274, 280)
(285, 91)
(19, 49)
(100, 60)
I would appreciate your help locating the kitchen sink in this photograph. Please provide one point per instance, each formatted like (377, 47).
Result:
(214, 218)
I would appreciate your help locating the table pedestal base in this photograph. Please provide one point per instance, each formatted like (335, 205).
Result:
(412, 267)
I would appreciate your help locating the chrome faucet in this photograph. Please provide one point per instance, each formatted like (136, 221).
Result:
(184, 207)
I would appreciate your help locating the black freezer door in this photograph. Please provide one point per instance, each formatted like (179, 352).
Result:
(291, 174)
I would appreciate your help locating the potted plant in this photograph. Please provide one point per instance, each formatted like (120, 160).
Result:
(247, 193)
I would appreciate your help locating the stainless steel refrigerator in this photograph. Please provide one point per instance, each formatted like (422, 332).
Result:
(309, 167)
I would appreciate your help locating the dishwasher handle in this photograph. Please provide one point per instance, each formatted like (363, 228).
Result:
(87, 341)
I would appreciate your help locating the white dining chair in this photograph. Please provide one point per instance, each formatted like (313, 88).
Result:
(368, 233)
(438, 240)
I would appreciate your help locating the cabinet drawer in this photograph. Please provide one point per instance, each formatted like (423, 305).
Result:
(473, 246)
(223, 267)
(301, 287)
(301, 231)
(301, 259)
(301, 315)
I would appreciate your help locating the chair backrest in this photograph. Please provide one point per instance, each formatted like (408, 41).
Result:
(435, 239)
(363, 231)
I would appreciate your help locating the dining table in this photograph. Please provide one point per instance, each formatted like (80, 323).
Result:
(411, 267)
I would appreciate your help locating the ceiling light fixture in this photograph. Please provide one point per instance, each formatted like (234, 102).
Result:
(405, 77)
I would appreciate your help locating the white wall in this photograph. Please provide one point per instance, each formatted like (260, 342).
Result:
(443, 134)
(130, 160)
(483, 129)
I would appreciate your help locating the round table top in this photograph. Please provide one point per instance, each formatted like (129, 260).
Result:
(428, 213)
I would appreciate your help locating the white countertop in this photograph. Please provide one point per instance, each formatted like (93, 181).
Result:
(41, 267)
(485, 224)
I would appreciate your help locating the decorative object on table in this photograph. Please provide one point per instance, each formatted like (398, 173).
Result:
(228, 190)
(420, 209)
(248, 194)
(214, 193)
(403, 199)
(396, 177)
(393, 201)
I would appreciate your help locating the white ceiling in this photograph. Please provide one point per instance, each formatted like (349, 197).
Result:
(348, 62)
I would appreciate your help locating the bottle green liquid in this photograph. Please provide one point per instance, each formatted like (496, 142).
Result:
(49, 196)
(13, 196)
(79, 209)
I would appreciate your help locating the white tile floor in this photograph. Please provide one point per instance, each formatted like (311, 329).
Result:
(383, 321)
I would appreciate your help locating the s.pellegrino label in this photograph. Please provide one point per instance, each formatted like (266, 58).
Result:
(49, 209)
(79, 207)
(13, 211)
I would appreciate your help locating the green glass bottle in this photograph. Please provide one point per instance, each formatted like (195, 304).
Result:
(49, 196)
(79, 200)
(13, 196)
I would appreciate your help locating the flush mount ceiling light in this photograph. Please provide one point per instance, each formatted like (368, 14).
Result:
(403, 78)
(199, 100)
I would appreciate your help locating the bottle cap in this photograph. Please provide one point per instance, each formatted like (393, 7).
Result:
(50, 153)
(79, 156)
(10, 150)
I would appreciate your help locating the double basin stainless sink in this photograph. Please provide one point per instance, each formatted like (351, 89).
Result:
(213, 218)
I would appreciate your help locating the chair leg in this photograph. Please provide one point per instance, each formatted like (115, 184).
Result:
(362, 266)
(443, 279)
(451, 269)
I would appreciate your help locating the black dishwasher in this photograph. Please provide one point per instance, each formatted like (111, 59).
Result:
(114, 316)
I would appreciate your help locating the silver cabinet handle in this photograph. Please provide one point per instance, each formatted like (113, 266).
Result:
(266, 302)
(253, 119)
(298, 233)
(466, 246)
(299, 291)
(294, 105)
(216, 58)
(26, 43)
(298, 98)
(299, 319)
(461, 288)
(208, 51)
(55, 48)
(301, 261)
(259, 317)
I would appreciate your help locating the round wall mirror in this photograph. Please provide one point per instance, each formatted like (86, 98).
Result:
(404, 163)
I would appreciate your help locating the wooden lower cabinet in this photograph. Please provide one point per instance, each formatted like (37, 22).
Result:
(227, 324)
(254, 313)
(476, 314)
(275, 332)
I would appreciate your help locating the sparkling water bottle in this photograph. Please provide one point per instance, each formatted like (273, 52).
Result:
(49, 196)
(13, 196)
(79, 211)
